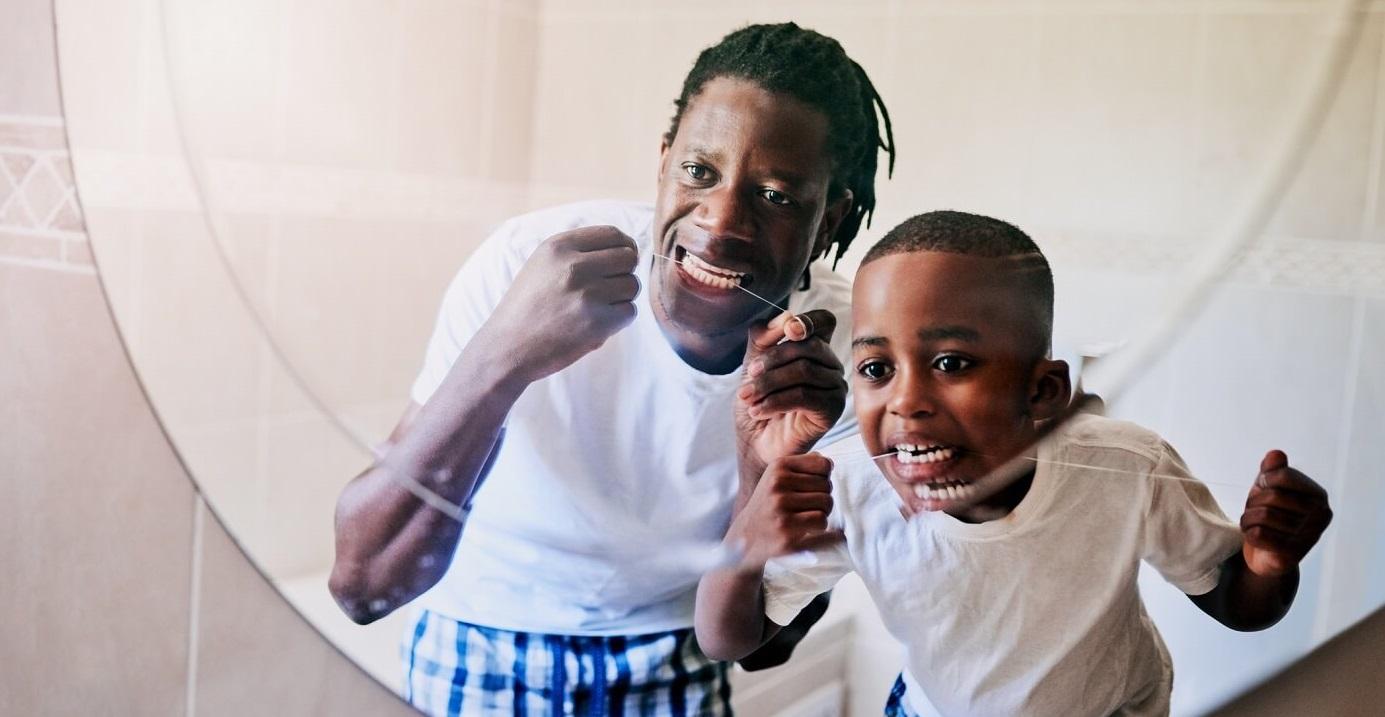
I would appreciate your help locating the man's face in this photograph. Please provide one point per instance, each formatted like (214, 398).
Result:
(945, 377)
(742, 193)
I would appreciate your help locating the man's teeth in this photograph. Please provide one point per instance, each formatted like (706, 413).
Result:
(910, 453)
(943, 491)
(710, 274)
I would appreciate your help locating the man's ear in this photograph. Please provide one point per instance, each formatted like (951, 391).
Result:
(1050, 389)
(832, 216)
(663, 158)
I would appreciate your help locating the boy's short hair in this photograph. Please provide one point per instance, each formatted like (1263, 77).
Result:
(976, 235)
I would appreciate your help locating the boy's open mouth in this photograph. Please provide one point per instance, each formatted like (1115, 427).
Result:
(708, 274)
(928, 468)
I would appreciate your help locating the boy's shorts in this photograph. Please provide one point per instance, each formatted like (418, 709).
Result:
(456, 668)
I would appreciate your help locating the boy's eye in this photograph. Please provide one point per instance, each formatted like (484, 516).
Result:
(774, 196)
(874, 370)
(951, 363)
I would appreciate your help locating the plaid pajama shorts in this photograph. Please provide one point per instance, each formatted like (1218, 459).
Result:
(458, 669)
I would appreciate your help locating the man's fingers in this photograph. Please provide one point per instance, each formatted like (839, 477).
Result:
(596, 238)
(616, 289)
(802, 373)
(783, 354)
(829, 402)
(787, 326)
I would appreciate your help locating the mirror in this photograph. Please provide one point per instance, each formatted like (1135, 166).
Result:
(279, 193)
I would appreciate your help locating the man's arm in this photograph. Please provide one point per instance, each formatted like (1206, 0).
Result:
(390, 545)
(1285, 515)
(575, 291)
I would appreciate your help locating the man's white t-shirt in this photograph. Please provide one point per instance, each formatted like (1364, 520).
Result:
(610, 469)
(1037, 613)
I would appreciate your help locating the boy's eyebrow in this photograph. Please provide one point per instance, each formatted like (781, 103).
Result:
(957, 333)
(860, 341)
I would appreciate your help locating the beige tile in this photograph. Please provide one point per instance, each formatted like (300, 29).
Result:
(29, 81)
(307, 462)
(21, 245)
(196, 344)
(1116, 121)
(356, 303)
(94, 509)
(105, 49)
(442, 110)
(344, 67)
(230, 60)
(509, 149)
(257, 656)
(1255, 67)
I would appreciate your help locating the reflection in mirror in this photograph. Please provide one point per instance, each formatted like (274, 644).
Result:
(281, 195)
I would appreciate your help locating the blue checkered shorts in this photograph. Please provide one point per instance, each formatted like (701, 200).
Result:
(894, 706)
(456, 668)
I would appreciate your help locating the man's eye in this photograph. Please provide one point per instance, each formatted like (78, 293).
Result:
(775, 196)
(951, 363)
(696, 171)
(874, 370)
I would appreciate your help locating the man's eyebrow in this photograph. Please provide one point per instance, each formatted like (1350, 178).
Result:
(957, 333)
(860, 341)
(697, 150)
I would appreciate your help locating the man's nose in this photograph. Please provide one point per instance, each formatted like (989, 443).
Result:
(724, 213)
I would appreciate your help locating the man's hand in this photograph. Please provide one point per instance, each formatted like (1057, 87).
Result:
(787, 513)
(575, 291)
(793, 391)
(1285, 515)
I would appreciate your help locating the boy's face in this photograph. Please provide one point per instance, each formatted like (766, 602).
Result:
(949, 377)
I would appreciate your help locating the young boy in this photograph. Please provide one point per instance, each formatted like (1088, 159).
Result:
(1014, 591)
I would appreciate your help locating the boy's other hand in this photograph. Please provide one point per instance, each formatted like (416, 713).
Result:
(794, 388)
(1285, 515)
(787, 513)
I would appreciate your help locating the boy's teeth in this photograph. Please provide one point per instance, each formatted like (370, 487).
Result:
(911, 453)
(950, 491)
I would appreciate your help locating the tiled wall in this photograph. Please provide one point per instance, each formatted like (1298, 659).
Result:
(123, 595)
(347, 182)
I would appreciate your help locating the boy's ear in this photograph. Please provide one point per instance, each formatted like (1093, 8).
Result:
(1050, 390)
(832, 217)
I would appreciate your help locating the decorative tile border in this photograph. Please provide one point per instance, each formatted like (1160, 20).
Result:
(40, 221)
(1349, 267)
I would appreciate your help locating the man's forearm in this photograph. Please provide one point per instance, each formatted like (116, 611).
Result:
(1245, 601)
(391, 546)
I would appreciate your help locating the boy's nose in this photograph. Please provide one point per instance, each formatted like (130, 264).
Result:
(723, 213)
(910, 398)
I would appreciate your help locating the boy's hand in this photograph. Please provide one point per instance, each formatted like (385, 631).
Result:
(1285, 515)
(787, 513)
(794, 388)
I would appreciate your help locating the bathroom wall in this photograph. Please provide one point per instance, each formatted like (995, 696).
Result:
(123, 594)
(995, 104)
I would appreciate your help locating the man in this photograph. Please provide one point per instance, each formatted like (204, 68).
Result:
(616, 427)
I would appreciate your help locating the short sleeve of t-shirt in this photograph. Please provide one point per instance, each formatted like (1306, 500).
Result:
(792, 581)
(470, 299)
(1186, 535)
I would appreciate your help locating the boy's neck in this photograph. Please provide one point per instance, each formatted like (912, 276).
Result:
(999, 505)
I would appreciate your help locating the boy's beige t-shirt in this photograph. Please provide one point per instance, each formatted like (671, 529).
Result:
(1037, 613)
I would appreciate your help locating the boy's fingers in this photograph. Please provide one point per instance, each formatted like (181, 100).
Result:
(1290, 480)
(1284, 521)
(806, 501)
(824, 539)
(1273, 460)
(814, 464)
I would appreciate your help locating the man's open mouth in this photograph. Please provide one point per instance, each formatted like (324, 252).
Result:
(705, 272)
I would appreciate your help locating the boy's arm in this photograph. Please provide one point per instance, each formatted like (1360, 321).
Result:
(786, 513)
(1285, 515)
